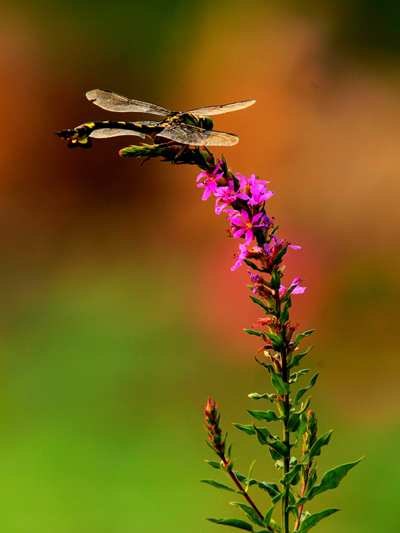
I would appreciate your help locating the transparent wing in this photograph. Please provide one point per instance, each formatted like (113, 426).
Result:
(105, 133)
(121, 104)
(186, 134)
(219, 109)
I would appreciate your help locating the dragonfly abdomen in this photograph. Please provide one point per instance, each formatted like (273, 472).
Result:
(80, 136)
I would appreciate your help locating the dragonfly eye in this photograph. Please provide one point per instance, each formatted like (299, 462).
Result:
(206, 123)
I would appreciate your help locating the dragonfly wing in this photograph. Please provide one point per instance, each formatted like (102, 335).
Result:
(105, 133)
(121, 104)
(187, 134)
(219, 109)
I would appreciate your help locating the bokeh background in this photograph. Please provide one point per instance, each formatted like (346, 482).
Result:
(119, 312)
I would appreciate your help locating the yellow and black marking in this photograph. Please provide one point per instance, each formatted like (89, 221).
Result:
(80, 136)
(193, 127)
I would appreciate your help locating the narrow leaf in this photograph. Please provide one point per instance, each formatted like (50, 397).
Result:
(214, 464)
(313, 520)
(275, 527)
(271, 488)
(281, 386)
(246, 429)
(234, 522)
(295, 376)
(256, 396)
(269, 416)
(277, 340)
(332, 478)
(261, 304)
(250, 472)
(288, 478)
(267, 517)
(217, 485)
(250, 513)
(280, 448)
(301, 336)
(322, 441)
(252, 332)
(298, 357)
(269, 367)
(301, 392)
(252, 265)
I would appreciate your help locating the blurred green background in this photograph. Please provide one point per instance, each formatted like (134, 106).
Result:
(119, 312)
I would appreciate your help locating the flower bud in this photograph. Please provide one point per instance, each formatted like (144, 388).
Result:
(310, 436)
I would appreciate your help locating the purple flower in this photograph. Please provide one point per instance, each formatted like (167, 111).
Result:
(296, 290)
(245, 226)
(248, 181)
(210, 183)
(225, 195)
(275, 246)
(240, 257)
(257, 193)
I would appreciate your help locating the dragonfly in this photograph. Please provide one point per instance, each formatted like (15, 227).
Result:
(194, 127)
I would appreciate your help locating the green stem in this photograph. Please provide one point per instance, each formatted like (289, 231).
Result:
(247, 497)
(286, 442)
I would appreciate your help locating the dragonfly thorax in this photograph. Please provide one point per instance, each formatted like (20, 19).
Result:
(199, 121)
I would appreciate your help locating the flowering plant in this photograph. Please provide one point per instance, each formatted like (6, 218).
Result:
(243, 202)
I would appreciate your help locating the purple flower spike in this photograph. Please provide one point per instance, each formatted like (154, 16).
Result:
(256, 193)
(210, 183)
(246, 228)
(240, 257)
(226, 196)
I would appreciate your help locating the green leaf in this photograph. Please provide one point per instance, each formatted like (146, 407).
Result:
(275, 229)
(298, 357)
(285, 312)
(269, 416)
(275, 278)
(293, 421)
(301, 336)
(280, 448)
(214, 464)
(276, 340)
(271, 488)
(280, 255)
(287, 478)
(302, 427)
(252, 332)
(281, 386)
(261, 304)
(217, 485)
(249, 474)
(253, 265)
(301, 392)
(250, 513)
(332, 478)
(261, 437)
(294, 377)
(322, 441)
(277, 498)
(313, 520)
(268, 516)
(241, 477)
(256, 396)
(269, 367)
(234, 522)
(246, 429)
(276, 527)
